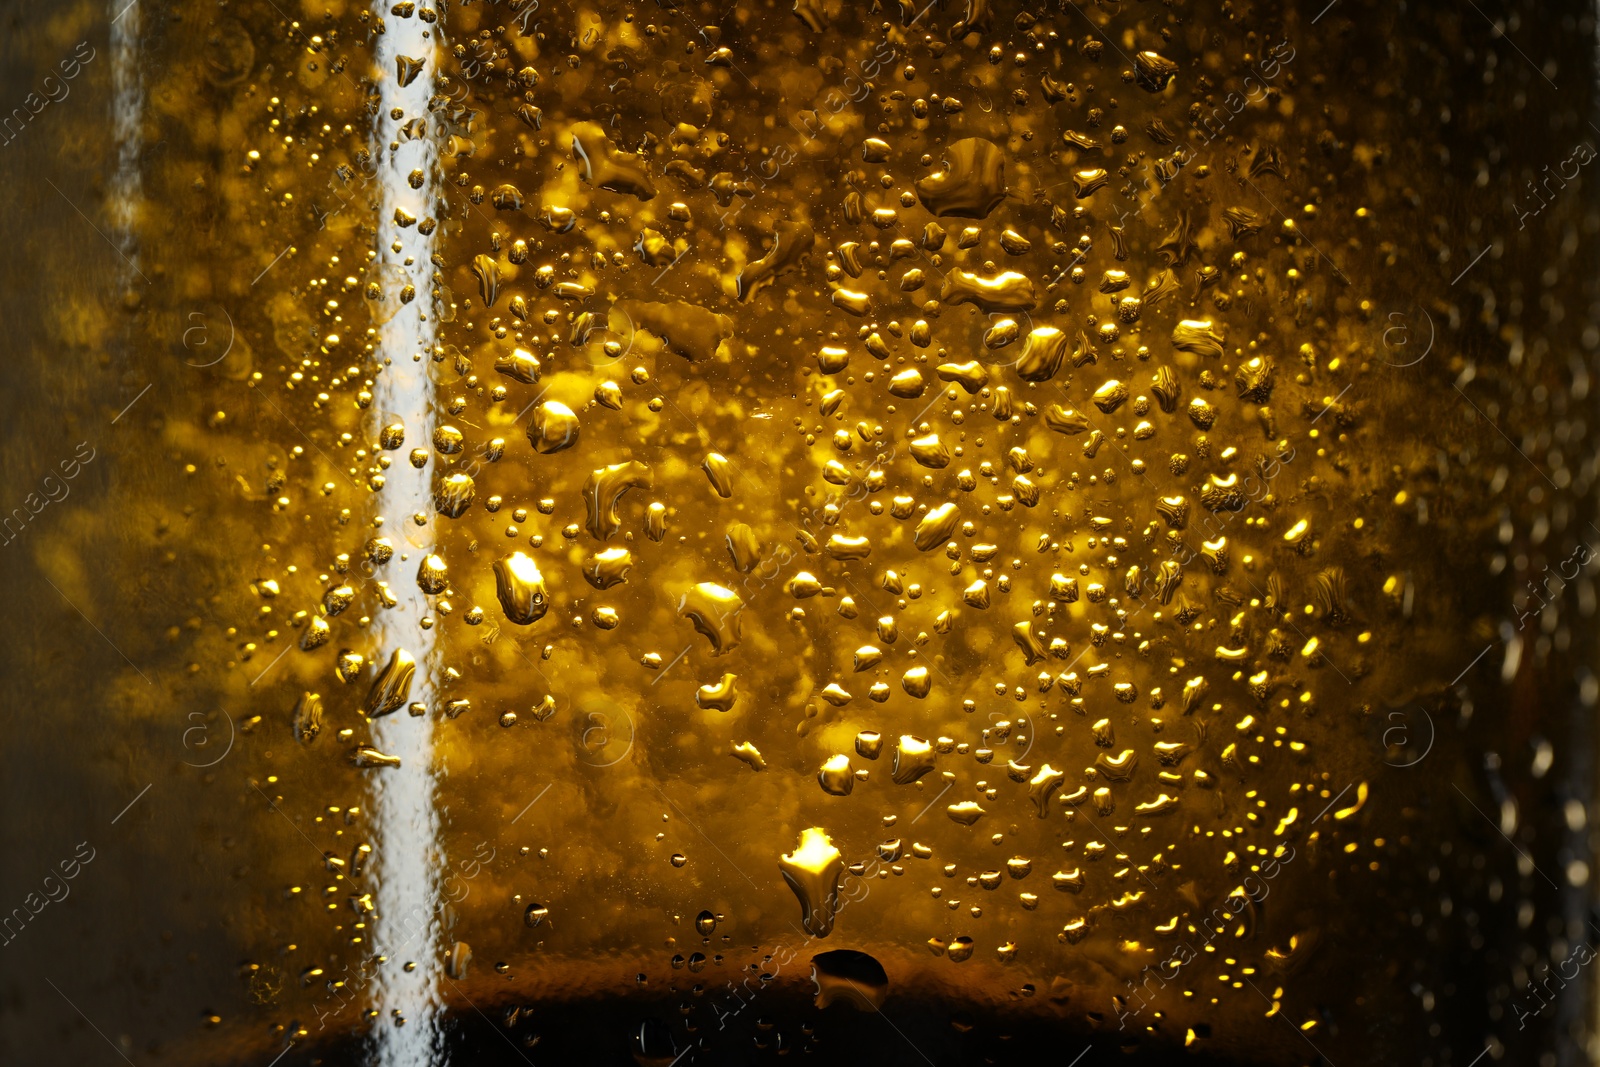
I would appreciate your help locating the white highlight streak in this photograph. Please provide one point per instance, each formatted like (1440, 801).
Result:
(127, 106)
(405, 823)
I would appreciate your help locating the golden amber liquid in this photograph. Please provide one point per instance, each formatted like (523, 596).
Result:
(939, 534)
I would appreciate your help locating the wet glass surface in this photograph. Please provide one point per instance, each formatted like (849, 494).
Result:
(967, 533)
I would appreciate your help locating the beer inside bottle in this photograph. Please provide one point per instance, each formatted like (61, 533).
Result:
(916, 533)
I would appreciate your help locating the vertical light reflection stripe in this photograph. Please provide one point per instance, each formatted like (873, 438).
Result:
(405, 823)
(127, 107)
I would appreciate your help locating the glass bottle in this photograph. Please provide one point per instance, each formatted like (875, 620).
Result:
(918, 533)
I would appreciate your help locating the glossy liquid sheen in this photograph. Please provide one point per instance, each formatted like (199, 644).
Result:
(931, 534)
